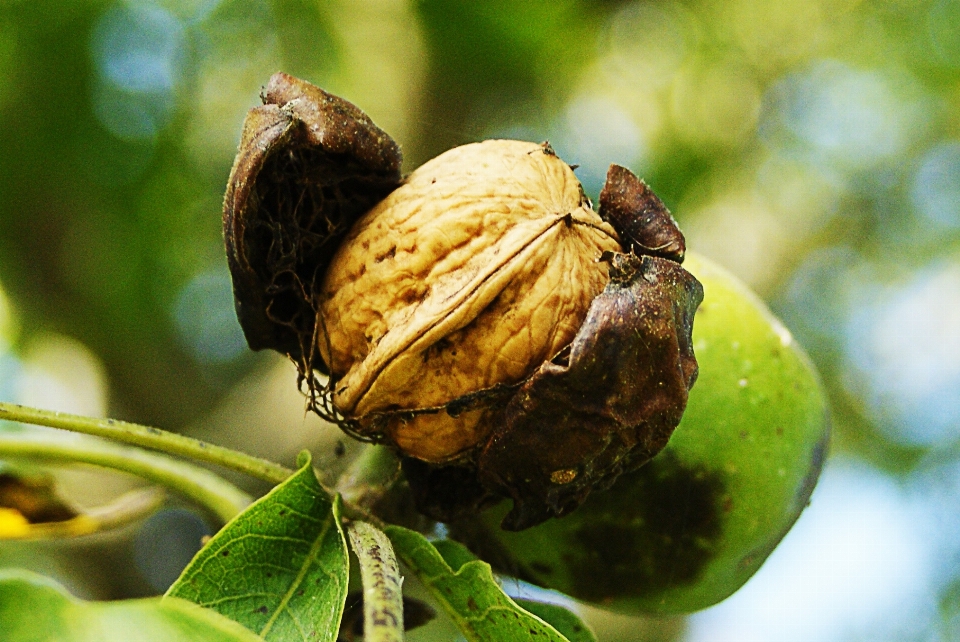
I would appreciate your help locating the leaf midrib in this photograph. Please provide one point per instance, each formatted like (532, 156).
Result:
(304, 569)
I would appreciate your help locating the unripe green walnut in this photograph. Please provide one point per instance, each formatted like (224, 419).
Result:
(691, 527)
(477, 315)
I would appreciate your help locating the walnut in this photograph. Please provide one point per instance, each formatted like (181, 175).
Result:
(479, 268)
(478, 315)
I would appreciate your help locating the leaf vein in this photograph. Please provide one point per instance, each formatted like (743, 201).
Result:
(304, 568)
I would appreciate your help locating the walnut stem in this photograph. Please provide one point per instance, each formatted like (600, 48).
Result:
(382, 598)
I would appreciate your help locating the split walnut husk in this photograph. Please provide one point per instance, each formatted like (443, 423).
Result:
(477, 315)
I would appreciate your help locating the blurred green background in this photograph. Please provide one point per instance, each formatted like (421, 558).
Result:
(810, 146)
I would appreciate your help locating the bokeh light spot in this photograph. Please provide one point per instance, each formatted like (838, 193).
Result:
(60, 373)
(165, 545)
(715, 104)
(800, 190)
(138, 51)
(936, 185)
(595, 132)
(850, 117)
(205, 318)
(815, 297)
(904, 351)
(136, 47)
(738, 231)
(646, 42)
(191, 11)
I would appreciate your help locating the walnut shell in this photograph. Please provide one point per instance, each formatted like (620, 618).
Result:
(479, 268)
(477, 316)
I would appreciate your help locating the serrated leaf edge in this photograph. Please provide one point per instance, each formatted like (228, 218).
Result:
(477, 567)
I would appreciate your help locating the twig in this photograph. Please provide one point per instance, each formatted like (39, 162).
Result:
(148, 437)
(207, 489)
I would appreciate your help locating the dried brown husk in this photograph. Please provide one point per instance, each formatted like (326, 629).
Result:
(609, 406)
(598, 394)
(644, 223)
(309, 165)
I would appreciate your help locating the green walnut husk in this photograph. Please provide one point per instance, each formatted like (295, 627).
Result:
(693, 525)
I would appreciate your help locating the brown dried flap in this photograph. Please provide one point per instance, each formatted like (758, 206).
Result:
(309, 165)
(639, 216)
(574, 427)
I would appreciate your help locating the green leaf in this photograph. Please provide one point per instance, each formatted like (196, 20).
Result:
(456, 555)
(34, 608)
(562, 619)
(280, 568)
(466, 589)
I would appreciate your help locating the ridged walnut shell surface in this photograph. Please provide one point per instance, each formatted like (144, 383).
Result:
(471, 275)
